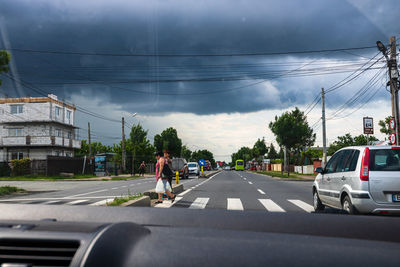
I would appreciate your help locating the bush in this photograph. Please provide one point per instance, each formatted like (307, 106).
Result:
(276, 161)
(20, 167)
(4, 169)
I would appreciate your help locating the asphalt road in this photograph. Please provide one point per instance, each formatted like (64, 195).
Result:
(232, 190)
(82, 192)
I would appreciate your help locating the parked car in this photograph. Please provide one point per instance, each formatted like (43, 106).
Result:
(194, 168)
(227, 168)
(180, 164)
(360, 180)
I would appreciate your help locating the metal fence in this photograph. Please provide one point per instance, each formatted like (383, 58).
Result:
(56, 165)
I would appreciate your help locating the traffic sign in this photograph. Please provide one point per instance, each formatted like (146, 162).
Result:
(202, 162)
(392, 124)
(393, 138)
(368, 125)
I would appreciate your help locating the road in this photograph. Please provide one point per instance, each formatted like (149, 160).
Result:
(234, 190)
(94, 193)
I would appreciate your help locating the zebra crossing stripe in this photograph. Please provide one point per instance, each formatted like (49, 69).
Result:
(234, 204)
(76, 202)
(271, 206)
(301, 204)
(199, 203)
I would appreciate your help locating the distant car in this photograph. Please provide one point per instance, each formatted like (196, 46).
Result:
(180, 164)
(194, 168)
(360, 180)
(227, 168)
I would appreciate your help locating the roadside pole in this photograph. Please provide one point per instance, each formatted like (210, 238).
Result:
(177, 178)
(90, 143)
(323, 128)
(123, 146)
(393, 76)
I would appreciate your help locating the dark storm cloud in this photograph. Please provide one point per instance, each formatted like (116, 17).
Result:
(180, 27)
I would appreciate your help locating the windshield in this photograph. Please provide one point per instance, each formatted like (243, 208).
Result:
(100, 100)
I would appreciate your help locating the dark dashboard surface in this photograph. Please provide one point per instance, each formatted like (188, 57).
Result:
(113, 236)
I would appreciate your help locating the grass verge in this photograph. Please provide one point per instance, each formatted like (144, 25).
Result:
(8, 190)
(47, 178)
(119, 200)
(285, 175)
(123, 178)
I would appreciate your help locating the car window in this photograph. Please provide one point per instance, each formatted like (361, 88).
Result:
(333, 162)
(384, 159)
(353, 162)
(344, 161)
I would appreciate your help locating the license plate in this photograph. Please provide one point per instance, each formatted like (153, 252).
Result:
(396, 198)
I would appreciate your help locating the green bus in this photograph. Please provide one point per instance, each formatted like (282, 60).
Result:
(239, 166)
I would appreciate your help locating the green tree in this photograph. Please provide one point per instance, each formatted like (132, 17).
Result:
(259, 149)
(203, 154)
(138, 147)
(347, 140)
(311, 154)
(272, 154)
(4, 61)
(169, 140)
(186, 153)
(292, 131)
(97, 147)
(385, 126)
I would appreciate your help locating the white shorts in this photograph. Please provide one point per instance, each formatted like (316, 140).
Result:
(162, 186)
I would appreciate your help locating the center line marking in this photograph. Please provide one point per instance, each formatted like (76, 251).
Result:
(250, 183)
(261, 192)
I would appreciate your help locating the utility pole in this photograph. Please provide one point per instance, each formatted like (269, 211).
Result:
(393, 80)
(394, 90)
(123, 145)
(323, 128)
(90, 142)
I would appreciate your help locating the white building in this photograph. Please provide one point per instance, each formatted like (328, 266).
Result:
(36, 127)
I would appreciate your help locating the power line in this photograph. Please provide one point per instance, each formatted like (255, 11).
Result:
(82, 53)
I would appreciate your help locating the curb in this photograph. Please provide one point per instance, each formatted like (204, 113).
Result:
(210, 174)
(140, 202)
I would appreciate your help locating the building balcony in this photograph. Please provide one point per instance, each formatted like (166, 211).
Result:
(33, 141)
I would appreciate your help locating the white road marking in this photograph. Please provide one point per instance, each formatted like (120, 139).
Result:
(261, 192)
(102, 202)
(88, 193)
(234, 204)
(271, 206)
(184, 192)
(199, 203)
(167, 203)
(114, 188)
(245, 178)
(301, 204)
(76, 202)
(124, 186)
(250, 183)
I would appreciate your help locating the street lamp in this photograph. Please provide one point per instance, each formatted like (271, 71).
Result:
(381, 47)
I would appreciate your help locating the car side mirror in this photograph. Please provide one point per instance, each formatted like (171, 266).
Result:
(319, 170)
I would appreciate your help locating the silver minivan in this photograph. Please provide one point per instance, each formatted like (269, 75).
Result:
(364, 179)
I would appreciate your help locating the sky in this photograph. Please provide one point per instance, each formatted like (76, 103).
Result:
(206, 68)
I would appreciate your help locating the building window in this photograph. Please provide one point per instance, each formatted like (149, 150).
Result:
(17, 109)
(15, 132)
(58, 111)
(58, 133)
(68, 154)
(17, 155)
(68, 116)
(69, 135)
(57, 153)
